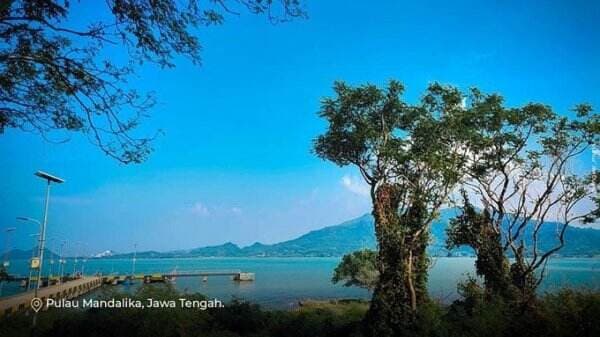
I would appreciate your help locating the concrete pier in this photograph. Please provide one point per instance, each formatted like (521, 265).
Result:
(244, 277)
(75, 288)
(67, 290)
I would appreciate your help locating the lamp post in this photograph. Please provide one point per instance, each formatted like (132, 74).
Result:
(51, 271)
(6, 262)
(74, 265)
(84, 256)
(133, 263)
(32, 256)
(61, 262)
(49, 179)
(80, 256)
(37, 222)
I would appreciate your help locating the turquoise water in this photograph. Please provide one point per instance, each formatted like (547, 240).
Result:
(282, 282)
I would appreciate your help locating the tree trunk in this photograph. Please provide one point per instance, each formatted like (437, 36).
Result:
(492, 264)
(478, 231)
(411, 285)
(403, 273)
(524, 282)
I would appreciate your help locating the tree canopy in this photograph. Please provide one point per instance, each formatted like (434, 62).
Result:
(391, 142)
(515, 162)
(412, 156)
(56, 74)
(521, 174)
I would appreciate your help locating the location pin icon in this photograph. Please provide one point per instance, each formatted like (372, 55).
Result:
(36, 304)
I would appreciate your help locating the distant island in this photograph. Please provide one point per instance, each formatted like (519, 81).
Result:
(354, 235)
(359, 234)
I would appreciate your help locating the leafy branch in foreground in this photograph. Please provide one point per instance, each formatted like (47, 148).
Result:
(60, 75)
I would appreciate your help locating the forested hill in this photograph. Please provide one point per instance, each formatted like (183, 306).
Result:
(359, 234)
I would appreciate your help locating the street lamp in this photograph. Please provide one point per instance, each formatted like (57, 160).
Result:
(133, 263)
(61, 262)
(80, 256)
(84, 255)
(32, 256)
(75, 260)
(24, 218)
(49, 179)
(51, 271)
(6, 262)
(35, 221)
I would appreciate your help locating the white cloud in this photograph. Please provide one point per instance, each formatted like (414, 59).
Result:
(236, 210)
(200, 209)
(355, 185)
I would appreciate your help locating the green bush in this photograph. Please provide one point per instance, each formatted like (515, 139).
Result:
(565, 313)
(561, 314)
(571, 313)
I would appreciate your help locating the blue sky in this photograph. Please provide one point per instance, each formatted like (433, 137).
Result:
(235, 162)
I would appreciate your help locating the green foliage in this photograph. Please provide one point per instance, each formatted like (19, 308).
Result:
(571, 312)
(54, 74)
(565, 313)
(358, 269)
(237, 318)
(412, 157)
(519, 171)
(562, 314)
(360, 119)
(393, 146)
(476, 230)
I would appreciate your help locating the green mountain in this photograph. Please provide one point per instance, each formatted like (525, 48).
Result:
(20, 254)
(227, 249)
(359, 234)
(329, 241)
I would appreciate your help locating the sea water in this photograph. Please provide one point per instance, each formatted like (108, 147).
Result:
(282, 282)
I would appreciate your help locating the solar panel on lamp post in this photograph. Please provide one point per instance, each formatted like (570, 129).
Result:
(49, 179)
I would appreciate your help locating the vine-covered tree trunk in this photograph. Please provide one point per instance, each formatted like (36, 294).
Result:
(523, 281)
(492, 264)
(419, 269)
(402, 266)
(476, 230)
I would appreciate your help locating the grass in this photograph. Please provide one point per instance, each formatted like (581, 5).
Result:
(347, 307)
